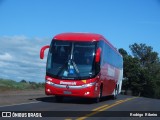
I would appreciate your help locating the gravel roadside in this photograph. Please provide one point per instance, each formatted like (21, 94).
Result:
(17, 97)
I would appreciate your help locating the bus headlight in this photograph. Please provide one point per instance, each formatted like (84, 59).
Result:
(49, 82)
(89, 84)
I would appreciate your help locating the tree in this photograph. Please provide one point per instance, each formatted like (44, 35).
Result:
(23, 81)
(141, 71)
(123, 52)
(131, 69)
(149, 68)
(144, 53)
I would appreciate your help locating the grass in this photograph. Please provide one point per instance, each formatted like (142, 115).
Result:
(6, 84)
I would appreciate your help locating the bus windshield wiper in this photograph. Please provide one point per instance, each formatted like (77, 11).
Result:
(73, 63)
(76, 69)
(69, 65)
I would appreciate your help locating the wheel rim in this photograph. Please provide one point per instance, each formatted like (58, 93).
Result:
(99, 94)
(115, 93)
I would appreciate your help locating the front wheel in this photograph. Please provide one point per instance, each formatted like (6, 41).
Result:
(98, 99)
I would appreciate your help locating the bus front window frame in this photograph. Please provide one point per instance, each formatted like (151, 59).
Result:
(73, 61)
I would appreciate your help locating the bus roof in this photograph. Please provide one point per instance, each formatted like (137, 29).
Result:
(82, 37)
(79, 36)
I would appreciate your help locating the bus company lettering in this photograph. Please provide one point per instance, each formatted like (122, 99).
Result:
(68, 83)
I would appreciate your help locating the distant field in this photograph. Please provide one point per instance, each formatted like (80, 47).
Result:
(6, 85)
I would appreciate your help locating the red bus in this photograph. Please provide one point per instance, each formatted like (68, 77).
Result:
(82, 65)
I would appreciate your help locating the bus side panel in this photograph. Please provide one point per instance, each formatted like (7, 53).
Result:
(111, 69)
(110, 77)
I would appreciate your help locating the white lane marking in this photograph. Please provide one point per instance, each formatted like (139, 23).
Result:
(19, 104)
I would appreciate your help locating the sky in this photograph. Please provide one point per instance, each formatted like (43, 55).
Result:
(27, 25)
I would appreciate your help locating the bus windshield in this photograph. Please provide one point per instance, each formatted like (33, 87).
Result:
(71, 60)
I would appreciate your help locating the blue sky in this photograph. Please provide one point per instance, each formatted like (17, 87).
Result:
(26, 25)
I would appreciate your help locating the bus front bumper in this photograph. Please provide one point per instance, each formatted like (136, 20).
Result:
(87, 90)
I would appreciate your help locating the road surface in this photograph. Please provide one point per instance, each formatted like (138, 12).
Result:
(123, 108)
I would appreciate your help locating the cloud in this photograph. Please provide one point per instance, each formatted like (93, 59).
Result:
(19, 58)
(5, 56)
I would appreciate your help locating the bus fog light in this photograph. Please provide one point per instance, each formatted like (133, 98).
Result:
(48, 90)
(86, 93)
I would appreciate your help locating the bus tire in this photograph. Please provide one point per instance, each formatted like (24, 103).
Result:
(98, 99)
(115, 94)
(59, 98)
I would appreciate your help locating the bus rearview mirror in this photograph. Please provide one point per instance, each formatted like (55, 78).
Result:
(98, 54)
(42, 51)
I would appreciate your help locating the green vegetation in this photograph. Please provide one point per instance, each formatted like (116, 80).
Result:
(141, 71)
(22, 85)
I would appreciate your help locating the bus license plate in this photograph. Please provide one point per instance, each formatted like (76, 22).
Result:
(67, 92)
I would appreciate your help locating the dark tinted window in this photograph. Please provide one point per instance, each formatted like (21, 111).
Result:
(110, 56)
(69, 59)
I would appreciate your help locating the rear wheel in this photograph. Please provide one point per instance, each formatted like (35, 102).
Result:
(114, 96)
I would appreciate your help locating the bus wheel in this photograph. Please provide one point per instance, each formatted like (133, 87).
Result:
(98, 99)
(115, 94)
(59, 98)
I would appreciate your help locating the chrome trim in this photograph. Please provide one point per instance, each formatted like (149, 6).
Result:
(71, 86)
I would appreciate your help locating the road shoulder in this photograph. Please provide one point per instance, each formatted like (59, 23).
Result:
(23, 96)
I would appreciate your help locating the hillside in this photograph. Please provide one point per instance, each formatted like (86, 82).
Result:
(7, 85)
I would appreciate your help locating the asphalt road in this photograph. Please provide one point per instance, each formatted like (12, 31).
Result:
(123, 108)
